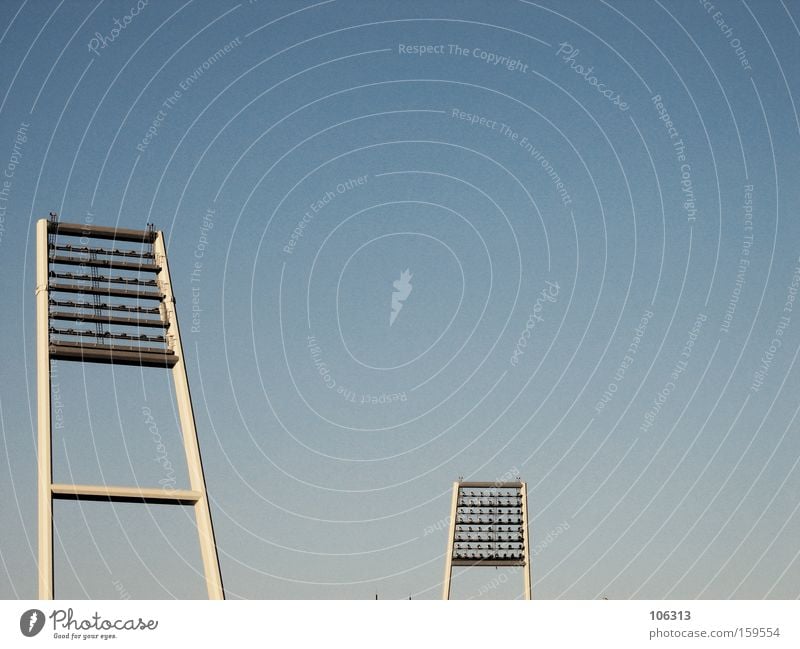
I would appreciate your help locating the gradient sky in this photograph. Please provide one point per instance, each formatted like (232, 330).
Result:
(338, 486)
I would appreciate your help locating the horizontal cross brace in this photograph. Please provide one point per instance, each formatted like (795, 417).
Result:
(106, 307)
(86, 333)
(488, 536)
(104, 263)
(106, 290)
(490, 485)
(135, 281)
(86, 250)
(125, 494)
(108, 319)
(496, 521)
(483, 506)
(488, 562)
(116, 354)
(101, 232)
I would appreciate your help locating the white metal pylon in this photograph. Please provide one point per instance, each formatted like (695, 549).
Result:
(114, 319)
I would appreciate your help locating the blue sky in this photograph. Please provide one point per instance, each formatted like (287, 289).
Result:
(596, 202)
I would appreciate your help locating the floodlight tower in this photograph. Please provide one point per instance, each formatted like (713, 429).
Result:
(139, 297)
(488, 527)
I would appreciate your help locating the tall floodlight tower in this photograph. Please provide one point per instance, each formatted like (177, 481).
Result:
(488, 527)
(86, 314)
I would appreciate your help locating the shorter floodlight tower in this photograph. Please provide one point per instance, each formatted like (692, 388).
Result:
(488, 527)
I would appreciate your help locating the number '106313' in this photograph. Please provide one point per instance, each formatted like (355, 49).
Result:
(670, 615)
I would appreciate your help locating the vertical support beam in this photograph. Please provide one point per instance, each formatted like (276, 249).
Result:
(526, 538)
(448, 565)
(44, 446)
(197, 482)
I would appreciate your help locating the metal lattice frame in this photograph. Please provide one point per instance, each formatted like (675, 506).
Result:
(112, 305)
(488, 527)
